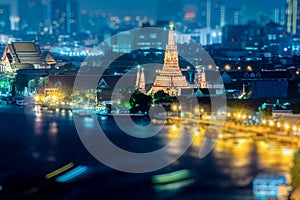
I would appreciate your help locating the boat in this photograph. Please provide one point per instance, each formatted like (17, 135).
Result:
(21, 102)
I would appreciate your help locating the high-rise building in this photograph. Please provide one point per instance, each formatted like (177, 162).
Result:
(217, 15)
(234, 16)
(278, 15)
(170, 78)
(64, 16)
(5, 26)
(293, 16)
(46, 6)
(223, 15)
(208, 13)
(31, 16)
(212, 14)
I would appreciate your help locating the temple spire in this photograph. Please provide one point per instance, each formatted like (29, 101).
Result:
(143, 82)
(170, 78)
(140, 80)
(138, 76)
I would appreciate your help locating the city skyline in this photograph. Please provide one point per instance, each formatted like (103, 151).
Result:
(255, 10)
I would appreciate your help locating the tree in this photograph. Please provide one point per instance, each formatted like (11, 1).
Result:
(295, 171)
(21, 82)
(139, 102)
(161, 96)
(33, 85)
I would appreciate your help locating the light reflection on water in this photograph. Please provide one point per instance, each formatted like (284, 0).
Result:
(238, 158)
(237, 153)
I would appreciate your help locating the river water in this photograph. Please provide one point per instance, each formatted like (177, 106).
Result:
(35, 142)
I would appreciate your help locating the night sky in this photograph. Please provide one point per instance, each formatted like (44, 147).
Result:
(149, 7)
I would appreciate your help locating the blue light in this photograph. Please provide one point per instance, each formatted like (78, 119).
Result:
(72, 174)
(266, 185)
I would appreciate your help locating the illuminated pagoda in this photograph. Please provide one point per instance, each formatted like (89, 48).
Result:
(170, 78)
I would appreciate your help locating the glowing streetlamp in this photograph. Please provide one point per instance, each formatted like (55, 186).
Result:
(278, 125)
(286, 126)
(227, 67)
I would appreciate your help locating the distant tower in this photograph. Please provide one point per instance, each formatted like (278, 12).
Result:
(293, 16)
(208, 13)
(140, 80)
(236, 17)
(31, 16)
(138, 76)
(64, 16)
(222, 15)
(170, 78)
(203, 83)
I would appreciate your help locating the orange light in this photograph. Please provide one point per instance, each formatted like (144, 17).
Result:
(189, 15)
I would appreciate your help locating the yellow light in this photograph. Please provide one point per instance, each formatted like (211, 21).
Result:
(249, 68)
(36, 98)
(171, 26)
(227, 67)
(228, 114)
(271, 123)
(174, 127)
(294, 128)
(54, 97)
(278, 124)
(202, 110)
(60, 170)
(264, 121)
(286, 126)
(174, 107)
(239, 115)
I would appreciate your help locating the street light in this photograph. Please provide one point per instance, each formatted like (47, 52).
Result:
(278, 125)
(286, 126)
(227, 67)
